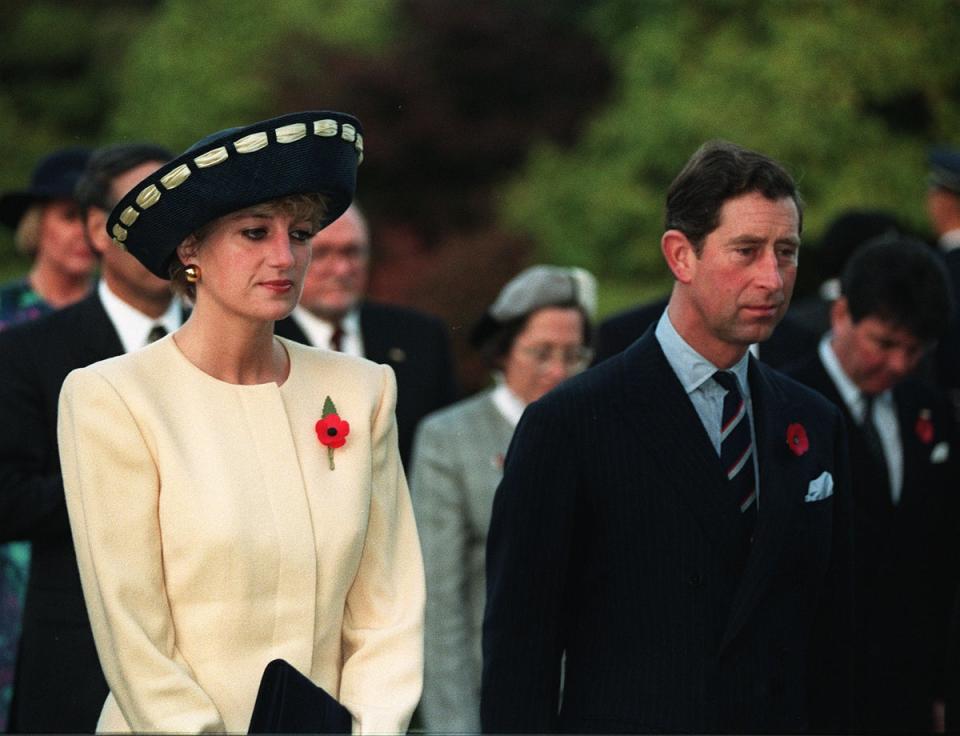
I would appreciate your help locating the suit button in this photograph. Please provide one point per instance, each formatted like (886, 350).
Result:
(695, 579)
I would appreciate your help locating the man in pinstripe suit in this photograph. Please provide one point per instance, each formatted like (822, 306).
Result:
(685, 592)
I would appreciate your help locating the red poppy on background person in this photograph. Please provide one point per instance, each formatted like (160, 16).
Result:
(797, 439)
(924, 427)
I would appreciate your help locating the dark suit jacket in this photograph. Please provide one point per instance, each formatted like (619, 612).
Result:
(613, 541)
(790, 341)
(417, 347)
(58, 686)
(903, 575)
(947, 356)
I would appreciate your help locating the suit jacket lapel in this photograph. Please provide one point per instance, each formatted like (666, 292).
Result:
(771, 416)
(375, 339)
(915, 453)
(94, 337)
(656, 407)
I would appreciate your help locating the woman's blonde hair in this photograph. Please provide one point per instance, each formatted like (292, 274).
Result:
(310, 207)
(27, 236)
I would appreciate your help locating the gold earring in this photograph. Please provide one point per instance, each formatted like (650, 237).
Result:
(192, 272)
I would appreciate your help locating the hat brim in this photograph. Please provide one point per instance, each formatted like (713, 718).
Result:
(13, 206)
(301, 153)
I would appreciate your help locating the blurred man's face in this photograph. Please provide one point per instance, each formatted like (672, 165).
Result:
(875, 354)
(337, 276)
(126, 276)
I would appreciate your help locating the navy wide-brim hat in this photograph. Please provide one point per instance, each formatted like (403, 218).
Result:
(300, 153)
(54, 177)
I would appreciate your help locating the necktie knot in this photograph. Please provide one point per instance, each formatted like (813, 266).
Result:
(156, 332)
(336, 339)
(727, 381)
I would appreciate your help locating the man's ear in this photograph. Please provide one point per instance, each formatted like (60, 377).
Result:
(679, 254)
(839, 312)
(95, 230)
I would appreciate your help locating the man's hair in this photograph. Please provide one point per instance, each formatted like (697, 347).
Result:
(717, 172)
(93, 189)
(901, 281)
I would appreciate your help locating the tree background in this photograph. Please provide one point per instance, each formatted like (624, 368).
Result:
(501, 133)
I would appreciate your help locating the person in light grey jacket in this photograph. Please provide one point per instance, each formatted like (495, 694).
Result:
(536, 334)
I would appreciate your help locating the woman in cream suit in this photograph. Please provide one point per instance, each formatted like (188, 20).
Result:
(235, 497)
(535, 334)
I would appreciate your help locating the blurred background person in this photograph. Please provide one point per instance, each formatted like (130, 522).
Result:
(893, 305)
(47, 228)
(943, 211)
(843, 236)
(536, 334)
(59, 686)
(333, 313)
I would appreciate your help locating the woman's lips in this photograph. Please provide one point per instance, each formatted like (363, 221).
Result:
(278, 285)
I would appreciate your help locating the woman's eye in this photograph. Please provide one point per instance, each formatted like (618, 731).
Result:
(255, 233)
(301, 236)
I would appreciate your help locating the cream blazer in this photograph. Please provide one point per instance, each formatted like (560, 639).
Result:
(212, 537)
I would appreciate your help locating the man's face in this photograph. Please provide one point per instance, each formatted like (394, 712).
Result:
(337, 276)
(129, 279)
(943, 209)
(739, 286)
(875, 354)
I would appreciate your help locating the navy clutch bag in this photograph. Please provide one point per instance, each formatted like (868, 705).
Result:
(288, 702)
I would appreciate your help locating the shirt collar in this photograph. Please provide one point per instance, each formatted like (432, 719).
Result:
(131, 324)
(950, 240)
(507, 402)
(691, 368)
(319, 331)
(851, 395)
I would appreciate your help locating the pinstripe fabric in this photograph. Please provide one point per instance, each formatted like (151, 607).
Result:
(612, 542)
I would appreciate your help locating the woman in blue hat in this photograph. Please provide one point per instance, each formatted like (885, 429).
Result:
(48, 229)
(234, 497)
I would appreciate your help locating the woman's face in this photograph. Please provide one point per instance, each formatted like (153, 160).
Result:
(252, 264)
(549, 349)
(62, 247)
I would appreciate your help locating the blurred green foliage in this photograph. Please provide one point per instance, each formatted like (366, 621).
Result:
(500, 122)
(848, 95)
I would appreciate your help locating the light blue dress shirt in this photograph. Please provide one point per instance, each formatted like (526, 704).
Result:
(695, 374)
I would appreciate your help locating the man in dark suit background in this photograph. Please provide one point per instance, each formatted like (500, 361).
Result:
(894, 304)
(674, 536)
(58, 685)
(333, 313)
(943, 209)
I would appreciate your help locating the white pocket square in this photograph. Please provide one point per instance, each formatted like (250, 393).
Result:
(940, 453)
(820, 488)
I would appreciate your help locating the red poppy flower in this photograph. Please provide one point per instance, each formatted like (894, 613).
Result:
(332, 431)
(924, 427)
(797, 439)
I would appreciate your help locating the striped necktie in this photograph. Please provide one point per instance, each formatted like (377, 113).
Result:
(736, 450)
(874, 444)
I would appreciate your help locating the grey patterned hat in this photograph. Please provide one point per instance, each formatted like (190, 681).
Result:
(535, 288)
